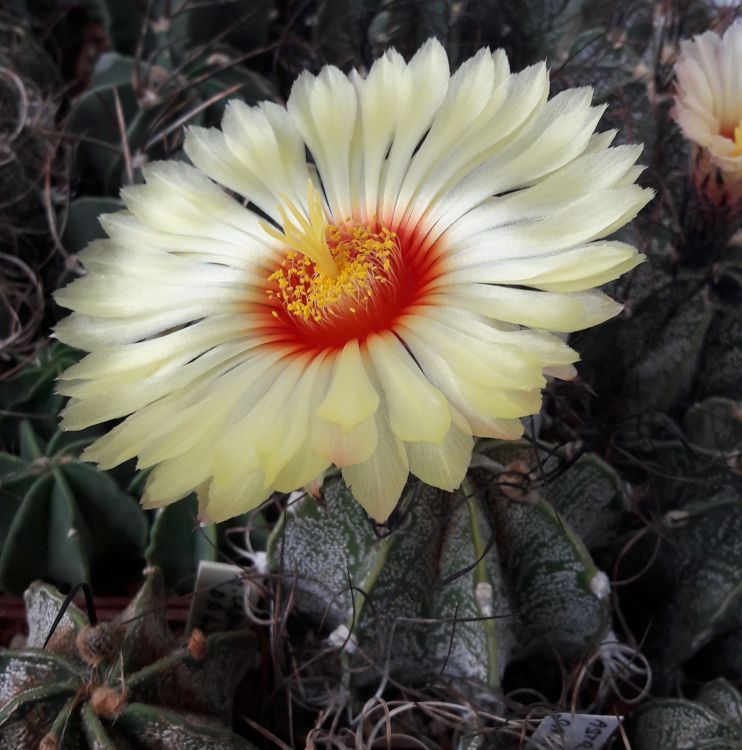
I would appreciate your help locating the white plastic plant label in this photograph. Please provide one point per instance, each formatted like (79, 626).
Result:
(573, 732)
(218, 598)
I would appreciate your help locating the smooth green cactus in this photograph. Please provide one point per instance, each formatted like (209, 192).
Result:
(711, 722)
(463, 585)
(122, 683)
(59, 517)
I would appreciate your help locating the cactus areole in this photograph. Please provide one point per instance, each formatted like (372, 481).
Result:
(374, 306)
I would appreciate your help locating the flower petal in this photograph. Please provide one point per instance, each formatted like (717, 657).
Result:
(417, 410)
(323, 109)
(573, 270)
(344, 446)
(443, 466)
(377, 483)
(351, 398)
(547, 310)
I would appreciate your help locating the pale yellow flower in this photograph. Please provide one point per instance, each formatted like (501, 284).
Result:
(708, 100)
(396, 305)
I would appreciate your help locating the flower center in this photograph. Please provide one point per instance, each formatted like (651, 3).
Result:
(361, 259)
(340, 281)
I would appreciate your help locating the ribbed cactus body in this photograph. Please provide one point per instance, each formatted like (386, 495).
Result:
(466, 582)
(61, 517)
(121, 684)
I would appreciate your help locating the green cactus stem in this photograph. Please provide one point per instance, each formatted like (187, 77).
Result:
(120, 684)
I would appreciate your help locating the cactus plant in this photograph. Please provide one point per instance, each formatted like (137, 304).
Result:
(121, 683)
(177, 543)
(60, 518)
(713, 721)
(693, 586)
(466, 582)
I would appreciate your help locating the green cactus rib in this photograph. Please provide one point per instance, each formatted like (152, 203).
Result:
(481, 577)
(121, 681)
(61, 517)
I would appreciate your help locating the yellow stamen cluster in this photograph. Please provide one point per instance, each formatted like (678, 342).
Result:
(738, 140)
(306, 234)
(362, 257)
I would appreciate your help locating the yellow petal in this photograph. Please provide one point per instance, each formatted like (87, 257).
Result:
(378, 482)
(344, 446)
(443, 466)
(351, 398)
(417, 409)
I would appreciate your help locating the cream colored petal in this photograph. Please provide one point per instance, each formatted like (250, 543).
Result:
(165, 353)
(563, 372)
(590, 217)
(203, 419)
(536, 309)
(421, 89)
(499, 403)
(590, 172)
(306, 466)
(324, 110)
(377, 105)
(417, 410)
(515, 101)
(183, 418)
(119, 297)
(693, 83)
(145, 263)
(265, 140)
(537, 346)
(235, 451)
(225, 501)
(90, 332)
(254, 251)
(559, 134)
(600, 141)
(207, 148)
(378, 482)
(445, 465)
(704, 49)
(587, 218)
(468, 93)
(351, 397)
(344, 446)
(574, 270)
(181, 199)
(282, 425)
(98, 401)
(439, 371)
(174, 479)
(492, 364)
